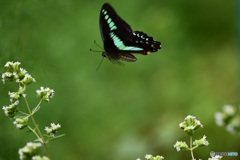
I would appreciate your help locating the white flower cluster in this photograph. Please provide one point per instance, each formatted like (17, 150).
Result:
(53, 129)
(190, 124)
(45, 93)
(150, 157)
(230, 118)
(29, 150)
(17, 74)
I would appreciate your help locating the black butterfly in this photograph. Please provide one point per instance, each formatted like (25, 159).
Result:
(119, 39)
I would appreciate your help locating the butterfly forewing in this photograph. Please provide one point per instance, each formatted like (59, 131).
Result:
(111, 22)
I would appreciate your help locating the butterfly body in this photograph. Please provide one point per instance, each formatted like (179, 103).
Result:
(119, 39)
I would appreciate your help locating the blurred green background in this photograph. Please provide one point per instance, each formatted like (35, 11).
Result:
(122, 112)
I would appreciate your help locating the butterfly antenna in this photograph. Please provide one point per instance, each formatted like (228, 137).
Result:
(97, 44)
(95, 50)
(99, 64)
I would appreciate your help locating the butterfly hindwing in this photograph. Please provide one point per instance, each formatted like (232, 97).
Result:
(142, 40)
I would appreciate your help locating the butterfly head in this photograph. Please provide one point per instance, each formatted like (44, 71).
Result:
(104, 54)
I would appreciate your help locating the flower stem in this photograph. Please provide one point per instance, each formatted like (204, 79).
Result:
(33, 130)
(39, 133)
(191, 149)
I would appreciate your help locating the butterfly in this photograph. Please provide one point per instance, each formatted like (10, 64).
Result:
(120, 41)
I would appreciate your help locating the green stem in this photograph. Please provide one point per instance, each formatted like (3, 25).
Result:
(191, 149)
(39, 133)
(34, 132)
(23, 113)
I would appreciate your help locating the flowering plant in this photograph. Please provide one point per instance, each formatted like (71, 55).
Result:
(14, 73)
